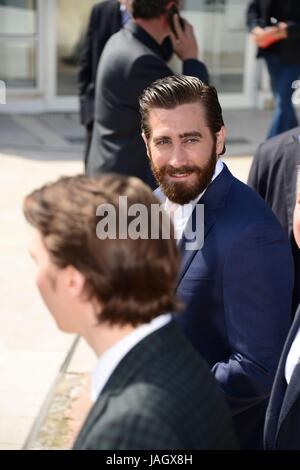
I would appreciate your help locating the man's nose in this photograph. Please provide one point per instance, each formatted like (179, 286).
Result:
(178, 157)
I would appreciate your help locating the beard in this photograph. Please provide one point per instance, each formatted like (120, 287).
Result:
(182, 192)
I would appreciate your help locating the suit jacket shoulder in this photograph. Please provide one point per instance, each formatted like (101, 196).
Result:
(161, 396)
(273, 174)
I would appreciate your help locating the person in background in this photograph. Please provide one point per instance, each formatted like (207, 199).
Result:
(131, 60)
(275, 28)
(273, 175)
(150, 388)
(236, 285)
(106, 18)
(282, 426)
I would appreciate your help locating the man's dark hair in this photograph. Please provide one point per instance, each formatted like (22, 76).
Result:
(148, 9)
(134, 280)
(175, 90)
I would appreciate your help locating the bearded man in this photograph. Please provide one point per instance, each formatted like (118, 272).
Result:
(237, 287)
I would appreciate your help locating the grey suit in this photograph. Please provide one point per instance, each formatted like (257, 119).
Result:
(273, 174)
(130, 62)
(161, 396)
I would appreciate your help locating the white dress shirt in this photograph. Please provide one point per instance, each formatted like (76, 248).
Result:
(180, 214)
(109, 360)
(293, 357)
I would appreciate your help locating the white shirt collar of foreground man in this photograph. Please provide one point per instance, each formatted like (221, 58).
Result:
(109, 360)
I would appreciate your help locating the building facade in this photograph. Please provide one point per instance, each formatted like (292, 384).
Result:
(40, 42)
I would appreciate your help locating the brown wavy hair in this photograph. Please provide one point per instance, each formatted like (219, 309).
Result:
(134, 280)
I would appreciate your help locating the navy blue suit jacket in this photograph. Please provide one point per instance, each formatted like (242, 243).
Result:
(237, 294)
(282, 427)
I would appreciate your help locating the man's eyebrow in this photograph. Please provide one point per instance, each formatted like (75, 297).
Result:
(160, 137)
(190, 134)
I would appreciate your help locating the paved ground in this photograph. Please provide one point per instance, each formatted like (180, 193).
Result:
(44, 382)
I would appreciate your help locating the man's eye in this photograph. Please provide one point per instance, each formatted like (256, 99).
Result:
(162, 141)
(191, 140)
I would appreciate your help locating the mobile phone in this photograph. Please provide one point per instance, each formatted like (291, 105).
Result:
(171, 12)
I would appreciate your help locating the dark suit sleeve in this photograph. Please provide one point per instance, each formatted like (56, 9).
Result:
(258, 279)
(132, 431)
(253, 17)
(85, 61)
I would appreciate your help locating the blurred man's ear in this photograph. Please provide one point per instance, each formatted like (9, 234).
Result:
(146, 144)
(74, 281)
(220, 142)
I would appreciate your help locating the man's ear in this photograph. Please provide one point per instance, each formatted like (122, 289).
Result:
(220, 142)
(146, 143)
(74, 281)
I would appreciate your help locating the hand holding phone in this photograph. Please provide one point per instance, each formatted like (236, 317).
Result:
(171, 12)
(182, 36)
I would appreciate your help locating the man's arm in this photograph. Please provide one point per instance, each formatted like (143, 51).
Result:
(258, 282)
(85, 61)
(253, 17)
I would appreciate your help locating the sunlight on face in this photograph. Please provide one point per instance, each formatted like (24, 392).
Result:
(50, 282)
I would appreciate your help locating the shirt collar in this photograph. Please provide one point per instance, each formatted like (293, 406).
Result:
(144, 37)
(109, 360)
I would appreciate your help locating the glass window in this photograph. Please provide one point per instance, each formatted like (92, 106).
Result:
(18, 62)
(71, 24)
(18, 43)
(17, 17)
(221, 32)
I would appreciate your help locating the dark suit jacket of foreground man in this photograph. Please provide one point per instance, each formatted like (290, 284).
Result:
(160, 396)
(273, 175)
(130, 62)
(237, 291)
(282, 427)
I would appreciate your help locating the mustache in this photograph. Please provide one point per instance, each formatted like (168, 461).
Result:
(182, 170)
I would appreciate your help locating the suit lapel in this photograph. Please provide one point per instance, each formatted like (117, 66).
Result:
(276, 411)
(187, 255)
(213, 198)
(278, 391)
(94, 415)
(291, 395)
(292, 149)
(292, 390)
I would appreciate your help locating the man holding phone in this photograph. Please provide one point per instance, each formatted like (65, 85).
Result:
(131, 61)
